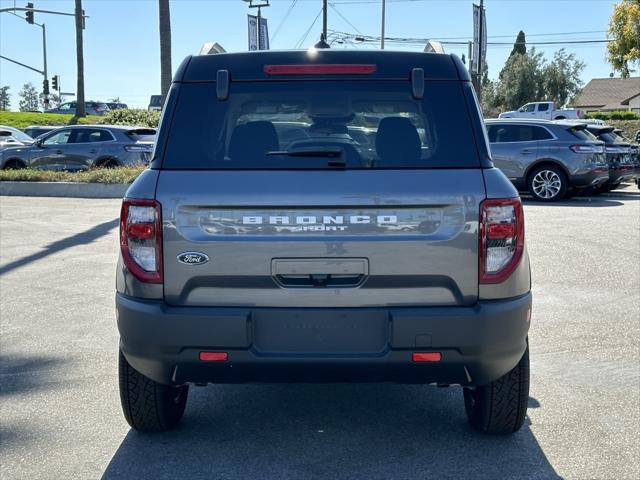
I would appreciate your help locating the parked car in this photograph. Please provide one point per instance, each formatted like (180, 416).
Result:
(79, 147)
(241, 261)
(547, 159)
(155, 102)
(116, 105)
(542, 110)
(35, 131)
(10, 136)
(619, 157)
(634, 149)
(91, 108)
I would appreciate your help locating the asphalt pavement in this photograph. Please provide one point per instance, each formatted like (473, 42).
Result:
(60, 414)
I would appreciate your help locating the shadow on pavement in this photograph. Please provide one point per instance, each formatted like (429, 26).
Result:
(341, 431)
(19, 374)
(81, 238)
(612, 199)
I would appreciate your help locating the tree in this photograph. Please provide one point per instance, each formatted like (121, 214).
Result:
(520, 45)
(54, 100)
(165, 47)
(624, 28)
(562, 77)
(114, 100)
(521, 80)
(5, 98)
(79, 60)
(28, 98)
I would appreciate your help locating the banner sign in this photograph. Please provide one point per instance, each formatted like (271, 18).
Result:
(479, 45)
(252, 22)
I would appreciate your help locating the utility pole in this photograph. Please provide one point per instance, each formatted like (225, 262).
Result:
(382, 28)
(323, 36)
(80, 110)
(46, 77)
(480, 50)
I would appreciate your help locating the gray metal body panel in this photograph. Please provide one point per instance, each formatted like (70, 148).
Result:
(425, 253)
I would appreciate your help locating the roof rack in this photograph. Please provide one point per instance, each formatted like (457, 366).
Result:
(211, 48)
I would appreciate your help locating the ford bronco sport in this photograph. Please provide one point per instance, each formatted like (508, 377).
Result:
(394, 254)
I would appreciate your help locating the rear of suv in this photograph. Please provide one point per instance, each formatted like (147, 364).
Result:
(246, 257)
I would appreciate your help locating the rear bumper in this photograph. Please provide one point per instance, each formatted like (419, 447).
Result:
(593, 178)
(478, 344)
(621, 174)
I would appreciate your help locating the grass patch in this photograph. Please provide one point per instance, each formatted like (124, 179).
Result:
(95, 175)
(22, 120)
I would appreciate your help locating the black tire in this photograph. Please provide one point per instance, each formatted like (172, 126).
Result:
(548, 171)
(108, 163)
(500, 407)
(149, 406)
(13, 165)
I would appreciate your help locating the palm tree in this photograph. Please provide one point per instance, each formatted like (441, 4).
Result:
(80, 61)
(165, 47)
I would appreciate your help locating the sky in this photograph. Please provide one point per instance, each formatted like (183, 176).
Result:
(121, 40)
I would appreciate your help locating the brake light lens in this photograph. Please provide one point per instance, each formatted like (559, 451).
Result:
(138, 148)
(320, 69)
(141, 239)
(586, 149)
(501, 238)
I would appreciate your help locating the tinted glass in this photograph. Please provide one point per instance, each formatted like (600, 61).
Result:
(540, 133)
(543, 107)
(90, 135)
(58, 138)
(529, 108)
(514, 133)
(373, 124)
(582, 134)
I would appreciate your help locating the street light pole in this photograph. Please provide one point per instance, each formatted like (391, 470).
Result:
(46, 77)
(383, 21)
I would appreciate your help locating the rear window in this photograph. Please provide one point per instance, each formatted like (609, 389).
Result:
(310, 124)
(142, 135)
(582, 134)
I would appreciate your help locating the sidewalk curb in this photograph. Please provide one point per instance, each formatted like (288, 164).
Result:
(63, 189)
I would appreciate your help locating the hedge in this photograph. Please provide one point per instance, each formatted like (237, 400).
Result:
(617, 115)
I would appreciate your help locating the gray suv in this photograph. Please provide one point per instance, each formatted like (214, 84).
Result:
(79, 147)
(547, 159)
(394, 256)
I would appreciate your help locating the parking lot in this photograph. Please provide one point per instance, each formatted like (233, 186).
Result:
(60, 413)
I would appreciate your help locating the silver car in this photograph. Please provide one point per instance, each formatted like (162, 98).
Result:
(547, 159)
(80, 147)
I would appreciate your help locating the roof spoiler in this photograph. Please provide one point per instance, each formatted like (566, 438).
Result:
(211, 48)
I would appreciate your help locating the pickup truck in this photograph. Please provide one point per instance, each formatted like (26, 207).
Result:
(543, 110)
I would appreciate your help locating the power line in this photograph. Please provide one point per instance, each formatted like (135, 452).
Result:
(304, 38)
(332, 5)
(284, 19)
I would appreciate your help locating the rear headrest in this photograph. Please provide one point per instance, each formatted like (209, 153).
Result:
(251, 141)
(397, 140)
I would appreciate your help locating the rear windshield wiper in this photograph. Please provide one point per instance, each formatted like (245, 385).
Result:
(309, 152)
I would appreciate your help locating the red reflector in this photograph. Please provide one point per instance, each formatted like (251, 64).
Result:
(142, 231)
(426, 357)
(214, 356)
(501, 230)
(320, 69)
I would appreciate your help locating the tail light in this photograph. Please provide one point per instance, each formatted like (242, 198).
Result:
(138, 148)
(586, 149)
(141, 239)
(501, 238)
(320, 69)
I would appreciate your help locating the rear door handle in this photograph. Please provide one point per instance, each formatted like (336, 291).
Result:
(526, 151)
(93, 150)
(59, 152)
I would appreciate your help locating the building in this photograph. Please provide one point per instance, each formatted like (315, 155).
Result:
(608, 94)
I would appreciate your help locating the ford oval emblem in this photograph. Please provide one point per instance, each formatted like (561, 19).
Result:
(193, 258)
